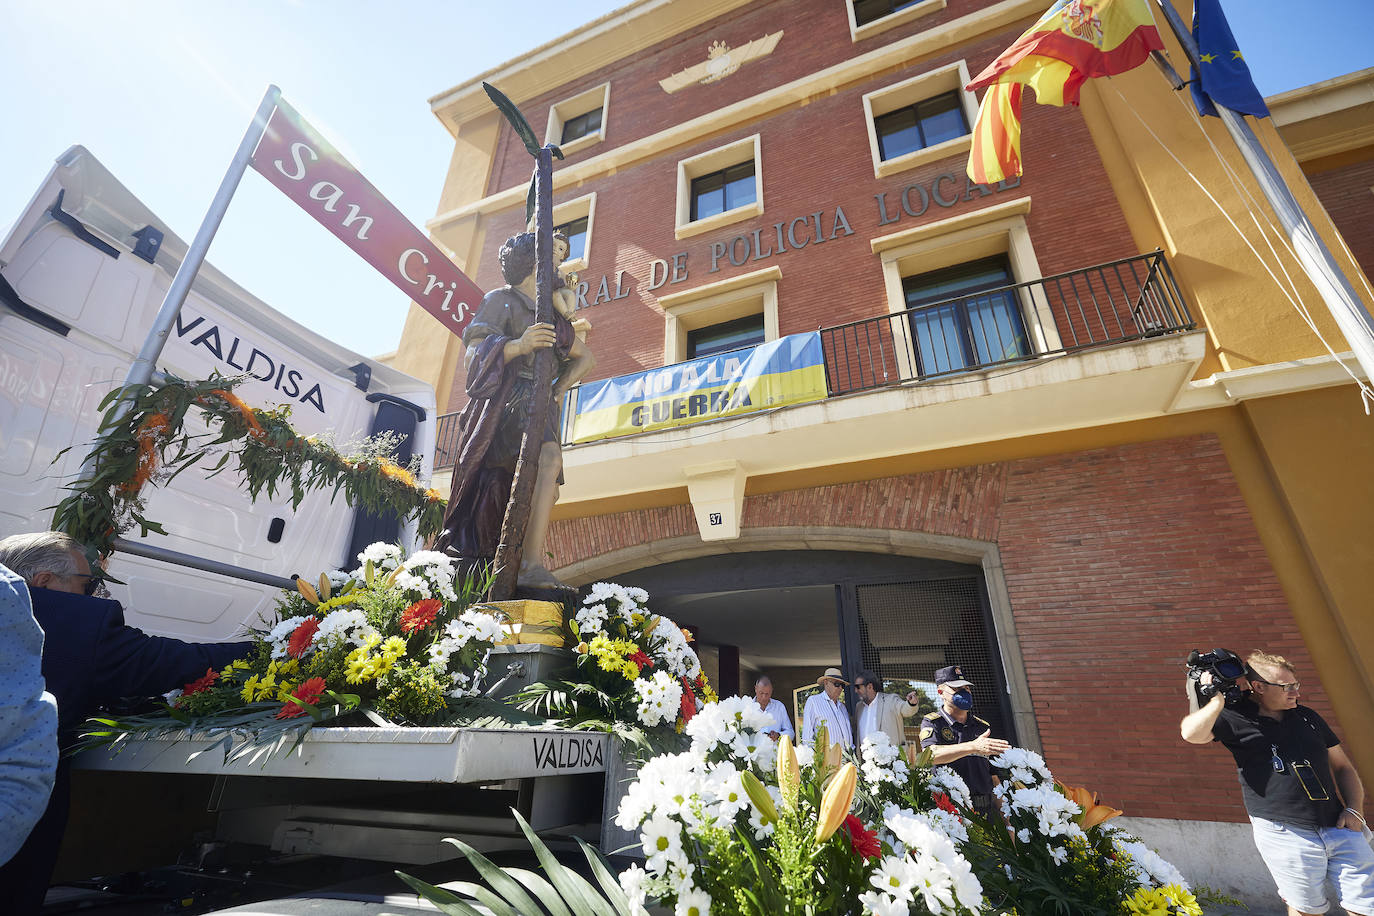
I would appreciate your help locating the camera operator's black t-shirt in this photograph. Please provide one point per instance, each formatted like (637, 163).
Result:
(1301, 735)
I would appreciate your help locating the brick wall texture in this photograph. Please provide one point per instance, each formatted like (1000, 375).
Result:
(1117, 560)
(814, 157)
(1347, 193)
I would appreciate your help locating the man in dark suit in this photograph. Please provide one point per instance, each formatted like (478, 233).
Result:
(90, 658)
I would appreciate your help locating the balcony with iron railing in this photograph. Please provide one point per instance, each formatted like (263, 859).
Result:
(978, 337)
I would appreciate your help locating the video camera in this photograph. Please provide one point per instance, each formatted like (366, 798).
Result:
(1225, 666)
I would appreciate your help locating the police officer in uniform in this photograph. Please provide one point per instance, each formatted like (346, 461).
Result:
(959, 739)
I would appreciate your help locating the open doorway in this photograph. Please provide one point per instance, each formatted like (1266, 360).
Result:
(791, 614)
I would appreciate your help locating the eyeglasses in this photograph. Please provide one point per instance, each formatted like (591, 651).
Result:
(1291, 687)
(93, 584)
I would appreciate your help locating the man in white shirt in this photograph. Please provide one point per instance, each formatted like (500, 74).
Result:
(763, 695)
(882, 712)
(828, 707)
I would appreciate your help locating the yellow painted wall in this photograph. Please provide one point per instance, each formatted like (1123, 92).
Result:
(1163, 163)
(1319, 448)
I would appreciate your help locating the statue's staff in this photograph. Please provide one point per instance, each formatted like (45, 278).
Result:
(513, 527)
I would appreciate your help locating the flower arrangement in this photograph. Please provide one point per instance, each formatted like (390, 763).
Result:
(740, 824)
(399, 637)
(1056, 852)
(632, 668)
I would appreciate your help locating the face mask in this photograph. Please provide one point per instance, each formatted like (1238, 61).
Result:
(962, 699)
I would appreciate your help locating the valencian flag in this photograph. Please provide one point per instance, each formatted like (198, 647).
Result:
(1074, 41)
(1223, 77)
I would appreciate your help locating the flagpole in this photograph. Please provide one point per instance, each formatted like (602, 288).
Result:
(1316, 259)
(141, 370)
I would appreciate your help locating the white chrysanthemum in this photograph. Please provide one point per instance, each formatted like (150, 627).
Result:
(661, 838)
(280, 635)
(1027, 767)
(591, 620)
(693, 902)
(946, 780)
(881, 761)
(894, 877)
(883, 905)
(736, 725)
(384, 556)
(347, 624)
(1147, 866)
(633, 881)
(943, 875)
(660, 697)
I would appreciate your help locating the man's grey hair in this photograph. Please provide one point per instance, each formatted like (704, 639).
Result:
(27, 555)
(763, 681)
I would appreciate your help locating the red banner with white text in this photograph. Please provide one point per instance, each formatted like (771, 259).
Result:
(309, 170)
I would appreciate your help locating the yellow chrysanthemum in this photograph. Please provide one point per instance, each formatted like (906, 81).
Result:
(249, 690)
(394, 647)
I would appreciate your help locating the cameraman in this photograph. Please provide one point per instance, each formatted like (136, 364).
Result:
(1303, 795)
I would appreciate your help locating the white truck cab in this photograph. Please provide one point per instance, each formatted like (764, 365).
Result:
(82, 275)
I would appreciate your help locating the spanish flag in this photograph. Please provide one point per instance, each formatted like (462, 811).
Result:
(1073, 41)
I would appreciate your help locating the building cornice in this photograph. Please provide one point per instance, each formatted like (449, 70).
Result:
(628, 30)
(905, 51)
(1326, 118)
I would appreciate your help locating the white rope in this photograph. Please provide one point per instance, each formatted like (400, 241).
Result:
(1366, 394)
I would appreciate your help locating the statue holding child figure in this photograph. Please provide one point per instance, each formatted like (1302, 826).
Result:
(501, 342)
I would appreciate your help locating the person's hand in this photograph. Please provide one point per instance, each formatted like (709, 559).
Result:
(913, 698)
(988, 746)
(773, 735)
(538, 336)
(1350, 820)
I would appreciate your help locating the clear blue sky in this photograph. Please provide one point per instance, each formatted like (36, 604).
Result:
(162, 91)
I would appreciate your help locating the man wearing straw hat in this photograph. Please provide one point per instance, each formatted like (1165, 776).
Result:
(828, 707)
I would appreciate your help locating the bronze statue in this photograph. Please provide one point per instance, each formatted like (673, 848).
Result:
(500, 341)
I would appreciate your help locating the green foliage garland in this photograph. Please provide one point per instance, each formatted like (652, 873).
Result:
(149, 444)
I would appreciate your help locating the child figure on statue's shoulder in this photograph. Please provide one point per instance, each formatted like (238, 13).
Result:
(564, 281)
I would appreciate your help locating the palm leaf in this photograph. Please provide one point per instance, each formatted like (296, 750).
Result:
(516, 119)
(605, 877)
(574, 888)
(496, 878)
(445, 900)
(542, 889)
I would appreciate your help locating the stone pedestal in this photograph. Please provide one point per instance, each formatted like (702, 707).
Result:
(534, 663)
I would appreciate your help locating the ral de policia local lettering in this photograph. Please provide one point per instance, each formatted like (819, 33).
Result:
(944, 190)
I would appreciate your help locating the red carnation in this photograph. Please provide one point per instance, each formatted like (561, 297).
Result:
(864, 842)
(302, 637)
(642, 660)
(944, 804)
(689, 701)
(201, 683)
(307, 692)
(420, 615)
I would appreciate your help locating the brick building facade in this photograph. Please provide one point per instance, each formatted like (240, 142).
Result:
(1122, 487)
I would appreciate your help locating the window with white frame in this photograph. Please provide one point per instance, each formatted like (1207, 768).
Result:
(725, 315)
(873, 17)
(950, 279)
(580, 121)
(719, 187)
(576, 219)
(920, 120)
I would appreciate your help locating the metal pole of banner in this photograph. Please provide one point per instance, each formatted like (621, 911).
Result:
(190, 561)
(1336, 291)
(141, 371)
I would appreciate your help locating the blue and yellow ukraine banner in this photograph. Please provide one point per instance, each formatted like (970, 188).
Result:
(790, 370)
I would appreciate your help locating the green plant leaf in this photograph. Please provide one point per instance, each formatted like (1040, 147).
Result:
(516, 119)
(446, 901)
(551, 899)
(610, 886)
(574, 888)
(496, 878)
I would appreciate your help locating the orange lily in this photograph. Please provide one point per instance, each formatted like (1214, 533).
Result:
(1093, 813)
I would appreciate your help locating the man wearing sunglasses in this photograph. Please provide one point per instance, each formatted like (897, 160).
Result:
(1304, 798)
(90, 658)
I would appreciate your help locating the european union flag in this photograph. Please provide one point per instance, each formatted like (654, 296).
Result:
(1223, 77)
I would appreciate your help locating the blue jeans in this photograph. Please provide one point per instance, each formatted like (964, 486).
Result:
(1301, 859)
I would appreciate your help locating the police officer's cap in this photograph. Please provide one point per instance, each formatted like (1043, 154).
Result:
(953, 676)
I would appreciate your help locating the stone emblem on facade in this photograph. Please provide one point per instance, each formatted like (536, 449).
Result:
(721, 61)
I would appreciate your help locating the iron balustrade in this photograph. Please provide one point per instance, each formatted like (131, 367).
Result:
(1120, 301)
(1113, 303)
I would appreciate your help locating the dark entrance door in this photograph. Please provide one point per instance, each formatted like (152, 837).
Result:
(904, 617)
